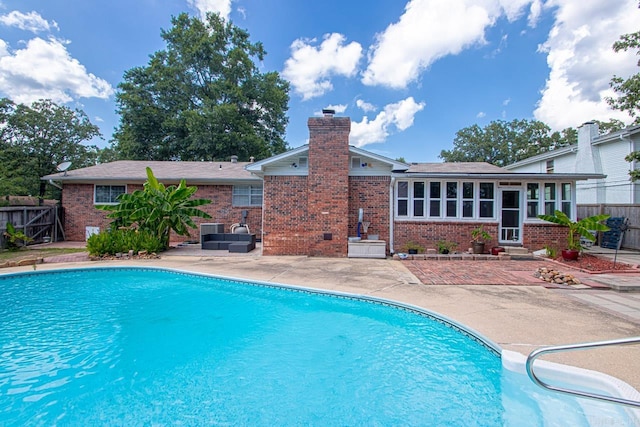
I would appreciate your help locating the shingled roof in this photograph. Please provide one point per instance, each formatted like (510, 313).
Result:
(166, 172)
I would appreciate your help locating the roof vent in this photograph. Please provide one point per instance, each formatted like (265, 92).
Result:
(252, 159)
(234, 159)
(327, 112)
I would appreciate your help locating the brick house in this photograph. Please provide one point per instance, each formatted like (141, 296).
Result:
(307, 201)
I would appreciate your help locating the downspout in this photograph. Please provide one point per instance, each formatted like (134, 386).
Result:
(54, 184)
(391, 216)
(632, 185)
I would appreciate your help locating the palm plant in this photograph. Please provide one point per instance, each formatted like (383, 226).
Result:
(577, 229)
(158, 209)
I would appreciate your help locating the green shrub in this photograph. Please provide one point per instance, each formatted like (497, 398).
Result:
(122, 241)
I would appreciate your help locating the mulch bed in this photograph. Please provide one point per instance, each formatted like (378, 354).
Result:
(594, 264)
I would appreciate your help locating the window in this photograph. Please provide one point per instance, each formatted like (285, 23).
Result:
(435, 195)
(108, 194)
(303, 162)
(467, 199)
(403, 198)
(533, 199)
(418, 198)
(452, 199)
(247, 195)
(356, 163)
(486, 200)
(549, 198)
(566, 198)
(550, 166)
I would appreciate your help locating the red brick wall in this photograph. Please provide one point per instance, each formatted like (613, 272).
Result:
(536, 236)
(77, 201)
(286, 224)
(370, 193)
(427, 233)
(328, 185)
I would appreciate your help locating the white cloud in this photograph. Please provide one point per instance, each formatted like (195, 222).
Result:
(399, 116)
(31, 21)
(223, 7)
(44, 69)
(582, 61)
(432, 29)
(98, 119)
(365, 106)
(481, 114)
(310, 68)
(506, 102)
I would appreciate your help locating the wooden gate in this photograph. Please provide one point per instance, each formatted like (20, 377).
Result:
(40, 223)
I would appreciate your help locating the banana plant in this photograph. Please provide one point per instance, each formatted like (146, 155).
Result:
(158, 209)
(577, 229)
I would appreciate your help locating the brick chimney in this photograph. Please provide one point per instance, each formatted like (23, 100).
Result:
(328, 184)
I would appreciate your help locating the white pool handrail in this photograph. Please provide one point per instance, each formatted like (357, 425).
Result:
(583, 346)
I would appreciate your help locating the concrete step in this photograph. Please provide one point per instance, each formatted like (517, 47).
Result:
(518, 252)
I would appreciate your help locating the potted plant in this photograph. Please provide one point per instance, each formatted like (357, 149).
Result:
(577, 229)
(412, 247)
(445, 246)
(478, 239)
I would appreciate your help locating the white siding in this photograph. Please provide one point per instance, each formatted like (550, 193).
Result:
(617, 188)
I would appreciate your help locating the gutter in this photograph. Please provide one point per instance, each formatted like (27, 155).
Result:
(391, 186)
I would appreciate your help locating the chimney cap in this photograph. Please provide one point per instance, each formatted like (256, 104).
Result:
(328, 112)
(234, 159)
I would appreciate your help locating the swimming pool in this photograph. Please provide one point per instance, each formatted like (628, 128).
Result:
(134, 346)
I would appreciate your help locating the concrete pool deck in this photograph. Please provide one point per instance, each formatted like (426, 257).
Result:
(520, 318)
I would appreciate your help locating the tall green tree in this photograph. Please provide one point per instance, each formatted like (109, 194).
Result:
(202, 98)
(628, 91)
(502, 143)
(35, 139)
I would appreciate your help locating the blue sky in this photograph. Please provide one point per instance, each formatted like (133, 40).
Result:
(408, 74)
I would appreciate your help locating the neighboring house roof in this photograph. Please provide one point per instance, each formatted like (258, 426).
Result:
(133, 171)
(484, 170)
(623, 134)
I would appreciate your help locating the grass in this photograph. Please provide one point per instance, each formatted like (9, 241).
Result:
(36, 253)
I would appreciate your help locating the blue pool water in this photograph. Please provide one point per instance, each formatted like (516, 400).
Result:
(154, 347)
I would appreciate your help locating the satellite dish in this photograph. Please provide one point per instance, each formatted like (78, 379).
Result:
(62, 167)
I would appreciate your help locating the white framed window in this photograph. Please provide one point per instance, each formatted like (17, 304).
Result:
(550, 166)
(486, 200)
(468, 200)
(422, 199)
(107, 194)
(550, 198)
(435, 199)
(303, 162)
(451, 202)
(402, 196)
(247, 195)
(356, 162)
(533, 199)
(565, 198)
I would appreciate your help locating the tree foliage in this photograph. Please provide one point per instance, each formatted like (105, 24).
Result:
(628, 92)
(202, 98)
(502, 143)
(158, 209)
(628, 89)
(36, 138)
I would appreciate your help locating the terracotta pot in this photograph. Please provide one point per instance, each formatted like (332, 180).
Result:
(496, 250)
(570, 254)
(478, 247)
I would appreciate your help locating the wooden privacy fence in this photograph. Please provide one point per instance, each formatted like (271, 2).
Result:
(631, 212)
(40, 223)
